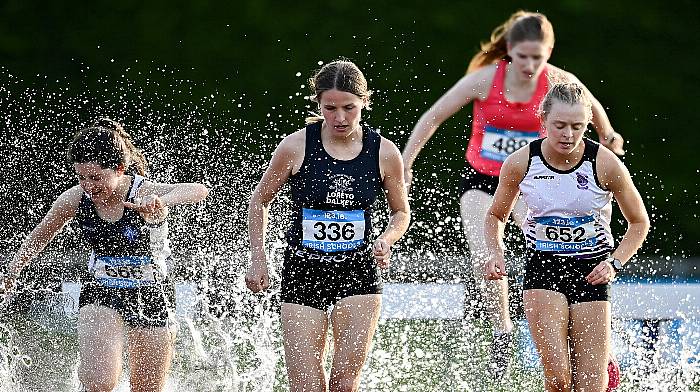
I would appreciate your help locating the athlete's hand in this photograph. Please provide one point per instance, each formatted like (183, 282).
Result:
(151, 207)
(382, 253)
(614, 142)
(603, 273)
(257, 278)
(495, 268)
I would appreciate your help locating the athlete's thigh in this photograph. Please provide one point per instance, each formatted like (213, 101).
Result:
(150, 356)
(304, 331)
(547, 314)
(101, 342)
(590, 343)
(474, 205)
(354, 322)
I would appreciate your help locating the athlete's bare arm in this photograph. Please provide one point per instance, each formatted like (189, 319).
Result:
(286, 160)
(512, 173)
(475, 85)
(62, 211)
(391, 169)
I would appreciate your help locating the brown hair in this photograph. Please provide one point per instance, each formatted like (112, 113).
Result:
(521, 26)
(107, 144)
(342, 75)
(569, 93)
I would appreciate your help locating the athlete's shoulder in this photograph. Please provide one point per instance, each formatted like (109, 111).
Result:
(604, 154)
(606, 158)
(74, 193)
(610, 170)
(486, 72)
(517, 163)
(521, 154)
(388, 149)
(480, 79)
(69, 200)
(293, 142)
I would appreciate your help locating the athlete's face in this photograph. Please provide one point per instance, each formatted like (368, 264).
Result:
(529, 58)
(100, 184)
(565, 125)
(341, 111)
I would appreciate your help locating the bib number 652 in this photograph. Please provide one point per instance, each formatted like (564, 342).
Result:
(565, 234)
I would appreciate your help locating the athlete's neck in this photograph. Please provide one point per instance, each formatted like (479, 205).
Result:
(120, 193)
(350, 136)
(560, 160)
(519, 85)
(343, 146)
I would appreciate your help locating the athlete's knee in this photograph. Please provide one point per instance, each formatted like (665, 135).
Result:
(98, 381)
(344, 383)
(154, 383)
(559, 383)
(590, 380)
(306, 378)
(557, 377)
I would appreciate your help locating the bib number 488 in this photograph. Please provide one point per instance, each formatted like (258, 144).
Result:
(509, 145)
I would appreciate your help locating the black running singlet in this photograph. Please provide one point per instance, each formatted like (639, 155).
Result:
(126, 253)
(332, 198)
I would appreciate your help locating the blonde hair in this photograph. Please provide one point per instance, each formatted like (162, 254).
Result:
(109, 145)
(342, 75)
(521, 26)
(570, 93)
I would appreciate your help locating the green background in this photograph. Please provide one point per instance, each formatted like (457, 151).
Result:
(218, 84)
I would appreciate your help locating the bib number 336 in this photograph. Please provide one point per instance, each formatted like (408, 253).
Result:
(333, 231)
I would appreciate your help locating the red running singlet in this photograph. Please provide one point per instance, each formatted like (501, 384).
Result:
(501, 127)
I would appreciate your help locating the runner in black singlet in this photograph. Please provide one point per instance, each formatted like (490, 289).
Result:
(336, 168)
(127, 292)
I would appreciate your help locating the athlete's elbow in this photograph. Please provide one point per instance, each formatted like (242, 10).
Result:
(202, 192)
(644, 225)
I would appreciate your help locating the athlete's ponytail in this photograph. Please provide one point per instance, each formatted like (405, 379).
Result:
(521, 26)
(109, 145)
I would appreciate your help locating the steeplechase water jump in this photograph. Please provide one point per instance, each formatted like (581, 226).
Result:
(167, 230)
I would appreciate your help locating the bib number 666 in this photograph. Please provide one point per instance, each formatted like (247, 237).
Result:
(124, 271)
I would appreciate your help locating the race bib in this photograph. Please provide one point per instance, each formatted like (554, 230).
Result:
(333, 231)
(557, 234)
(497, 143)
(125, 271)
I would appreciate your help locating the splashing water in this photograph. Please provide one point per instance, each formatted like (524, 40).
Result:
(227, 338)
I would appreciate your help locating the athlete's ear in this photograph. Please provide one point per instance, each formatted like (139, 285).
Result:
(120, 169)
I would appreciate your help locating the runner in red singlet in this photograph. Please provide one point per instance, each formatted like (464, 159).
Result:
(507, 81)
